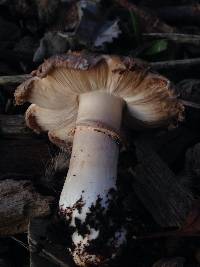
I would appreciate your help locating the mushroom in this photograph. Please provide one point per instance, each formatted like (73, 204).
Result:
(84, 98)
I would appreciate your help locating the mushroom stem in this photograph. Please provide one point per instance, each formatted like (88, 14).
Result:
(93, 165)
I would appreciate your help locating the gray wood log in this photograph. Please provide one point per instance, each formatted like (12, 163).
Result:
(19, 202)
(21, 150)
(158, 188)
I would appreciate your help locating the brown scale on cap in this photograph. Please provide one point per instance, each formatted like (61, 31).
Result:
(57, 84)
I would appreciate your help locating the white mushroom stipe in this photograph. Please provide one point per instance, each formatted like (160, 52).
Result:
(93, 165)
(90, 93)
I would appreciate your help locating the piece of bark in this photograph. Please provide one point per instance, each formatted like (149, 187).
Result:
(45, 250)
(20, 202)
(158, 188)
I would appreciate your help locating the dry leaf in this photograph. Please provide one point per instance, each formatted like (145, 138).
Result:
(109, 31)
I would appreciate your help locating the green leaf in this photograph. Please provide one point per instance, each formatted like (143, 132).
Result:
(156, 47)
(135, 25)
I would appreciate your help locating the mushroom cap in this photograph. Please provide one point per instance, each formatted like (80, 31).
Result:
(55, 87)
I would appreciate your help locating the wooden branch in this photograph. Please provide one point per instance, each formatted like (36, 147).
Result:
(157, 187)
(176, 37)
(20, 202)
(184, 14)
(13, 79)
(180, 64)
(148, 21)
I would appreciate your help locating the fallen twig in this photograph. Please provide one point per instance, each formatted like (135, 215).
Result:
(13, 79)
(176, 37)
(173, 64)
